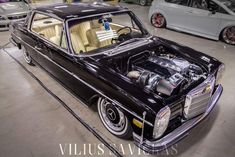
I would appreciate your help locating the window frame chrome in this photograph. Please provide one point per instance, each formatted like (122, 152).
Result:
(30, 21)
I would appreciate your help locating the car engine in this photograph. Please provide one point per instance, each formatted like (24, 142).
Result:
(163, 73)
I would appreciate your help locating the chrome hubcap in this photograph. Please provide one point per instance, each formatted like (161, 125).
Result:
(26, 55)
(158, 20)
(112, 116)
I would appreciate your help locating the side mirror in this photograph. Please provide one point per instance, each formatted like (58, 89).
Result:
(212, 10)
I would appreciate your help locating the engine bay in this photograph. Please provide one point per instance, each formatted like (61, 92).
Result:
(165, 74)
(160, 71)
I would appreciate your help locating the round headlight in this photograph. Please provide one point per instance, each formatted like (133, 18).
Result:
(220, 73)
(161, 122)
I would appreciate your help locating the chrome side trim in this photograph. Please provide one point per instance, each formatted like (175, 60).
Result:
(180, 132)
(142, 131)
(90, 86)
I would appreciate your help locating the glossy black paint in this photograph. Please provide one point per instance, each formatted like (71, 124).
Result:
(97, 73)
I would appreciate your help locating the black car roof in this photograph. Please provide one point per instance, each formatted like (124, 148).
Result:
(66, 11)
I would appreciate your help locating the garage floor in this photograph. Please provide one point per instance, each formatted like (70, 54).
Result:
(33, 123)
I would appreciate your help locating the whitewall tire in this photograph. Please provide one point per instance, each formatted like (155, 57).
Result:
(114, 119)
(26, 56)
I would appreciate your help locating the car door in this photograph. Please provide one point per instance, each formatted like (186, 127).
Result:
(175, 12)
(50, 44)
(65, 67)
(201, 20)
(42, 29)
(32, 39)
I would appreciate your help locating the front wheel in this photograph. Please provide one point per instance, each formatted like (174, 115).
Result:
(158, 20)
(114, 119)
(228, 35)
(26, 56)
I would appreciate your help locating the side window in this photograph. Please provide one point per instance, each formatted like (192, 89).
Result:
(205, 5)
(221, 10)
(49, 28)
(217, 7)
(200, 4)
(179, 2)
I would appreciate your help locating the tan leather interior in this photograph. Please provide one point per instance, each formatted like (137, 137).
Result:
(46, 32)
(56, 39)
(77, 43)
(92, 37)
(84, 38)
(51, 31)
(83, 35)
(47, 27)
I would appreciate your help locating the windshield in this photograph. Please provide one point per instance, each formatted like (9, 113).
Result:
(229, 3)
(107, 30)
(6, 1)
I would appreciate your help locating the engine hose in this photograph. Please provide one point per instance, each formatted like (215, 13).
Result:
(87, 126)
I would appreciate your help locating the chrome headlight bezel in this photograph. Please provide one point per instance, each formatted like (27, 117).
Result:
(161, 122)
(219, 73)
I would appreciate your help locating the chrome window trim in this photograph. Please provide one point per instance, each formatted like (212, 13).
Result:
(44, 39)
(90, 86)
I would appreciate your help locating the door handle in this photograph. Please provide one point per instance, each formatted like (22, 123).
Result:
(190, 11)
(38, 48)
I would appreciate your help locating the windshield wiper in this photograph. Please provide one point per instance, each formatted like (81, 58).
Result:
(124, 43)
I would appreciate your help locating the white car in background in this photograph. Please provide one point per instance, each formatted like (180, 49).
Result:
(12, 10)
(214, 19)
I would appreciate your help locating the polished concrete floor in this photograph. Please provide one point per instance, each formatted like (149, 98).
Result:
(33, 123)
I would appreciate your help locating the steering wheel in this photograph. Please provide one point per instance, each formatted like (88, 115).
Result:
(124, 36)
(130, 30)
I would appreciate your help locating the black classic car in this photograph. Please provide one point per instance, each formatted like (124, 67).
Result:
(145, 87)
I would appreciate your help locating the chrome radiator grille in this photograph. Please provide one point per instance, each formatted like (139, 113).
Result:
(197, 99)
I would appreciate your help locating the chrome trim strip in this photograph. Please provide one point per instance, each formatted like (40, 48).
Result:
(142, 131)
(98, 91)
(180, 132)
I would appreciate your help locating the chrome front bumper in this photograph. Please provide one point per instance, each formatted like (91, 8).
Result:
(180, 132)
